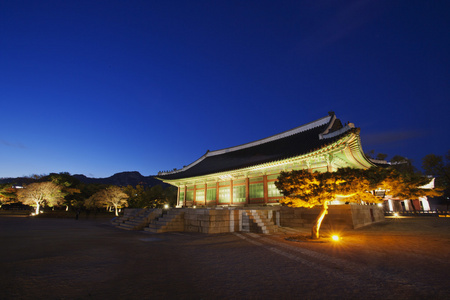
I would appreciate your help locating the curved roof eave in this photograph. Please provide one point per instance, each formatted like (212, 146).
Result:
(343, 139)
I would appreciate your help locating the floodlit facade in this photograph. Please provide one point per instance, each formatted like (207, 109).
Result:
(245, 175)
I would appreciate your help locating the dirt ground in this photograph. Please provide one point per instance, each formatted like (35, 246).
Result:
(404, 258)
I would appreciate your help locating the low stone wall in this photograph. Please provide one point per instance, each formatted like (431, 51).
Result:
(366, 214)
(345, 216)
(221, 220)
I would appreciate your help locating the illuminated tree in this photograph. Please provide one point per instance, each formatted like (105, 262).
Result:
(40, 193)
(7, 194)
(304, 189)
(68, 186)
(111, 196)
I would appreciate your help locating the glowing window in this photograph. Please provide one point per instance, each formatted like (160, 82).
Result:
(272, 190)
(189, 195)
(200, 195)
(256, 190)
(224, 195)
(181, 198)
(239, 194)
(211, 195)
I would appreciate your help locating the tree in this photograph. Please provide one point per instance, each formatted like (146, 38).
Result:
(7, 194)
(69, 187)
(137, 196)
(150, 197)
(110, 196)
(403, 165)
(304, 189)
(439, 167)
(41, 193)
(378, 156)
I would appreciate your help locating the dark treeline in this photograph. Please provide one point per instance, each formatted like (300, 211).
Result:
(77, 192)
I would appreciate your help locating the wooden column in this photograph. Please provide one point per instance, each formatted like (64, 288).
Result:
(195, 191)
(206, 192)
(185, 192)
(266, 193)
(247, 191)
(231, 191)
(217, 193)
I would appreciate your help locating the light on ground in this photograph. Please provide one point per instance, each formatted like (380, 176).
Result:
(335, 238)
(396, 215)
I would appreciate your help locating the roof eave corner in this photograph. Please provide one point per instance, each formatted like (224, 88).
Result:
(326, 134)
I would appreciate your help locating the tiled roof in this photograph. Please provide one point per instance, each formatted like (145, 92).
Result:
(292, 143)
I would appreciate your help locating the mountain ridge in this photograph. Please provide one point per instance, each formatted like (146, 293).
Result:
(125, 178)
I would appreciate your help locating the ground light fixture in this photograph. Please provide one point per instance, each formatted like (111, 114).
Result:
(335, 238)
(396, 215)
(166, 206)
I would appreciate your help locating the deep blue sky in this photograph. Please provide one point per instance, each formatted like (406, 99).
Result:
(100, 87)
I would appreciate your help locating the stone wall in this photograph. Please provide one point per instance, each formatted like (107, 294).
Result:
(211, 220)
(363, 215)
(339, 216)
(221, 220)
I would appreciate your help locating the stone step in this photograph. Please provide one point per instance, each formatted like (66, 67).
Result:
(170, 221)
(153, 230)
(263, 224)
(137, 220)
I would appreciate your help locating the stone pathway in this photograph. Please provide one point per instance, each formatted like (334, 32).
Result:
(89, 259)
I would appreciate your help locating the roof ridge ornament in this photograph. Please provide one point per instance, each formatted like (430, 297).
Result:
(326, 135)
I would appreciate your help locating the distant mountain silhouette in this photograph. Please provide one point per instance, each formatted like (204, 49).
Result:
(120, 179)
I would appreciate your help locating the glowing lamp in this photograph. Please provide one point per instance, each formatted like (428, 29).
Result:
(166, 206)
(335, 238)
(396, 215)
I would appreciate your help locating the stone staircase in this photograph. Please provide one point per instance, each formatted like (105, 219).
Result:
(171, 220)
(128, 215)
(139, 219)
(258, 222)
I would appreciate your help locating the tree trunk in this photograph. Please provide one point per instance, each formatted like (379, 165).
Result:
(316, 227)
(37, 209)
(115, 208)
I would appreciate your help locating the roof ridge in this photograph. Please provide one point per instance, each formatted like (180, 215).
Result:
(302, 128)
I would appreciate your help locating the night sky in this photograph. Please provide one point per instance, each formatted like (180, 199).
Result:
(100, 87)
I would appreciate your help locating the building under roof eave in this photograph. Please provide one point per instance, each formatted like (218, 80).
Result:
(244, 175)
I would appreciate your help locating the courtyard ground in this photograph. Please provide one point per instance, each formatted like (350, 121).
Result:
(404, 258)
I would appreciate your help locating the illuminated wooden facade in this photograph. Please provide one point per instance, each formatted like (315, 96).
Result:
(245, 175)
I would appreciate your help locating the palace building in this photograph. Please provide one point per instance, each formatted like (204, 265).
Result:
(245, 175)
